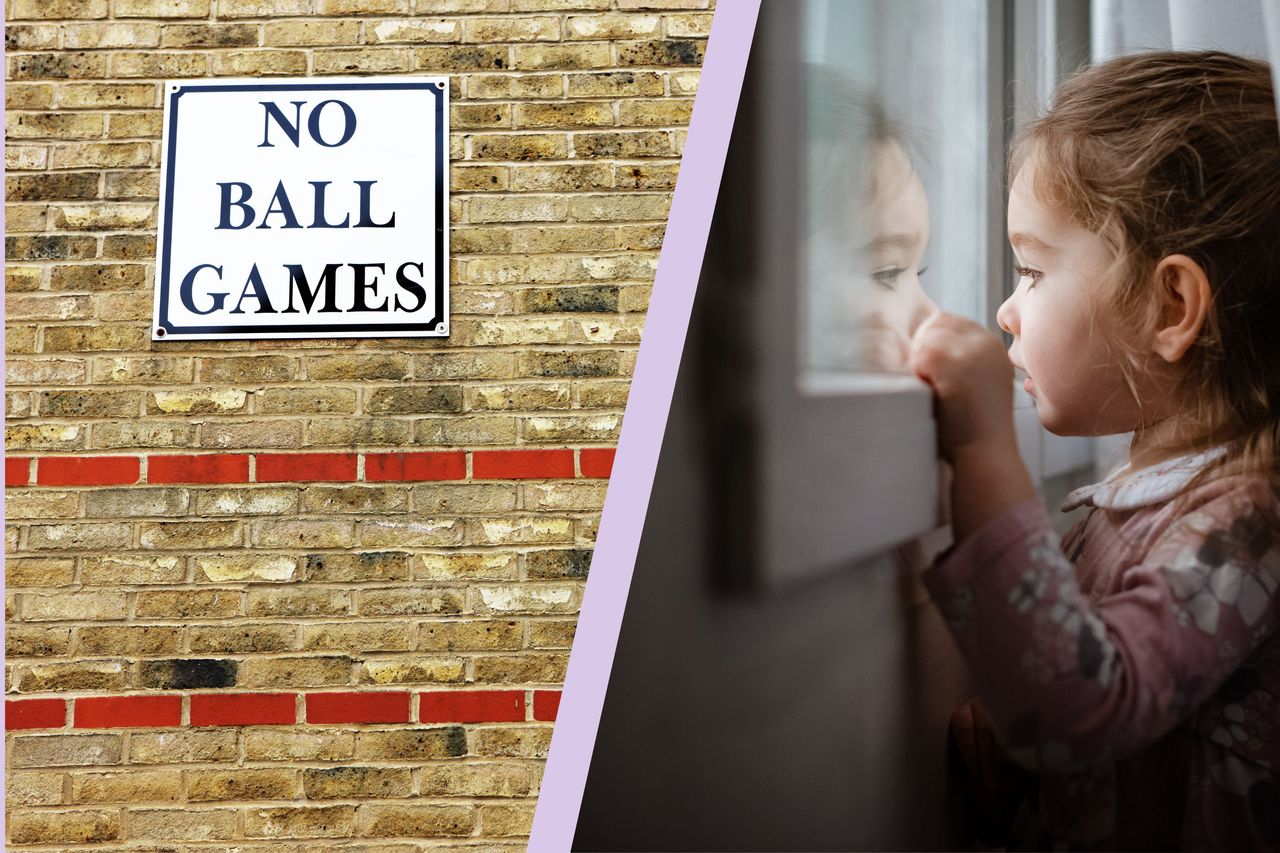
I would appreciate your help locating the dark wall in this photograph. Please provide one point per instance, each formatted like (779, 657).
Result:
(812, 718)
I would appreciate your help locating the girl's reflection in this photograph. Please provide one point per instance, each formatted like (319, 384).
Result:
(869, 227)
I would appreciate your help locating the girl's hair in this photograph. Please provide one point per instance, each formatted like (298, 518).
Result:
(848, 126)
(1176, 152)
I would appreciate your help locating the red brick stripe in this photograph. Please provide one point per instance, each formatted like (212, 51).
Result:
(381, 707)
(447, 465)
(596, 461)
(543, 463)
(545, 704)
(17, 472)
(305, 467)
(471, 706)
(34, 713)
(103, 712)
(243, 709)
(87, 470)
(206, 468)
(521, 464)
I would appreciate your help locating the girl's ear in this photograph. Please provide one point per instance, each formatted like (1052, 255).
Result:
(1183, 290)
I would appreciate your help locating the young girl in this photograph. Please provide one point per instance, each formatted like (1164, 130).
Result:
(1135, 667)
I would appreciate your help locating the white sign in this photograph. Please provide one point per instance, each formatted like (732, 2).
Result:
(312, 208)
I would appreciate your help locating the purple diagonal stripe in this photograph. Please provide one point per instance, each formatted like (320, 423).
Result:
(643, 425)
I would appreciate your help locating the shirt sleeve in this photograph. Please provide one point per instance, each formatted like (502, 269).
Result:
(1071, 684)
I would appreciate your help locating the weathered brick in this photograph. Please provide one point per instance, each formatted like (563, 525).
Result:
(519, 146)
(209, 35)
(48, 436)
(243, 639)
(416, 533)
(552, 634)
(32, 641)
(242, 784)
(188, 673)
(452, 60)
(187, 535)
(310, 33)
(505, 820)
(65, 750)
(128, 640)
(297, 602)
(514, 86)
(308, 400)
(602, 395)
(38, 571)
(197, 401)
(571, 563)
(415, 400)
(611, 26)
(83, 536)
(527, 598)
(361, 783)
(478, 179)
(347, 568)
(404, 601)
(363, 431)
(250, 433)
(32, 36)
(475, 780)
(527, 668)
(479, 116)
(71, 675)
(546, 57)
(303, 533)
(357, 637)
(141, 434)
(486, 635)
(513, 742)
(414, 671)
(310, 671)
(41, 505)
(365, 60)
(54, 125)
(298, 745)
(184, 824)
(416, 821)
(153, 64)
(64, 826)
(49, 247)
(414, 31)
(185, 604)
(95, 277)
(182, 746)
(259, 63)
(412, 744)
(32, 788)
(165, 8)
(57, 66)
(126, 787)
(248, 368)
(256, 568)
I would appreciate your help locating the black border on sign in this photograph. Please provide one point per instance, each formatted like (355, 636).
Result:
(162, 321)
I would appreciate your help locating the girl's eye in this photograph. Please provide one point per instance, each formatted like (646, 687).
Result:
(887, 279)
(1027, 272)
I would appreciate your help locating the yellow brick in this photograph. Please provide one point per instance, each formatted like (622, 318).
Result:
(539, 57)
(363, 60)
(75, 827)
(32, 36)
(24, 218)
(363, 7)
(97, 155)
(416, 821)
(690, 25)
(452, 60)
(611, 26)
(28, 96)
(57, 9)
(159, 65)
(490, 30)
(402, 670)
(22, 157)
(133, 126)
(308, 33)
(185, 824)
(242, 784)
(477, 116)
(684, 82)
(567, 115)
(100, 95)
(163, 8)
(54, 125)
(514, 86)
(79, 36)
(126, 787)
(504, 820)
(263, 8)
(414, 31)
(251, 63)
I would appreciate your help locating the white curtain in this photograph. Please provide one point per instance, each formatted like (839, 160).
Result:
(1248, 27)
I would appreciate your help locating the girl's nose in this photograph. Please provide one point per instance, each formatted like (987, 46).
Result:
(922, 309)
(1007, 316)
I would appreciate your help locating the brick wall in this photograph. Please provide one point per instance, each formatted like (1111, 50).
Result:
(317, 595)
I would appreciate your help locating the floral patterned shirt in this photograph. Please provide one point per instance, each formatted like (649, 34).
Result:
(1135, 666)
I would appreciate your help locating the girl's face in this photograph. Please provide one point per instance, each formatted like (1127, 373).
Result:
(1072, 372)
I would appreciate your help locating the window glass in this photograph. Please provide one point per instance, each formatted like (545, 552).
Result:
(896, 174)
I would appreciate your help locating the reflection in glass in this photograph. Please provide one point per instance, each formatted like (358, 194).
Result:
(895, 123)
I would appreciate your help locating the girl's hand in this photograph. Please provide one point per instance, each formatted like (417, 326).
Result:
(972, 379)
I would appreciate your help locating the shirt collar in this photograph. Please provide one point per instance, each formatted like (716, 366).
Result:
(1129, 489)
